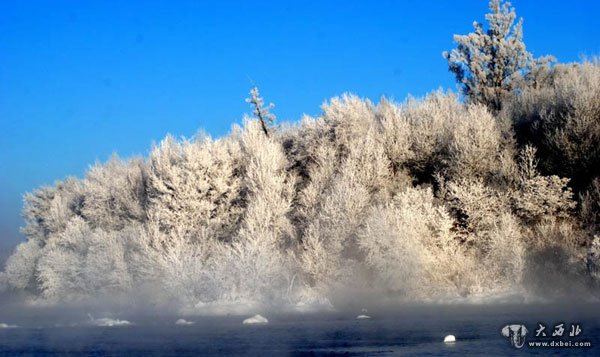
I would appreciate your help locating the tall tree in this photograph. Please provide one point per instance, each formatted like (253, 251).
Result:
(261, 111)
(488, 63)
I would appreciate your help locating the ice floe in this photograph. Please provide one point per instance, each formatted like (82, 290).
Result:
(449, 339)
(256, 319)
(183, 322)
(108, 322)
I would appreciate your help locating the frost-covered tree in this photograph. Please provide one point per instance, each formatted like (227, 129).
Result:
(475, 145)
(114, 194)
(47, 212)
(504, 256)
(48, 209)
(430, 122)
(84, 262)
(593, 259)
(590, 205)
(561, 118)
(194, 188)
(262, 112)
(488, 62)
(538, 196)
(395, 135)
(328, 239)
(21, 267)
(475, 205)
(402, 241)
(255, 262)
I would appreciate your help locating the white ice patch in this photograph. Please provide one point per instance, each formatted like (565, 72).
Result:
(108, 322)
(449, 339)
(256, 319)
(184, 322)
(3, 325)
(363, 317)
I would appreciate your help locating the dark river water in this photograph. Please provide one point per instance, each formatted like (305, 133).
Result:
(404, 330)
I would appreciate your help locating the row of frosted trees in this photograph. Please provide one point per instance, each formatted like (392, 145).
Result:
(421, 199)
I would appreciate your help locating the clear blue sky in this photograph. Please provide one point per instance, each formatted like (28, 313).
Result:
(80, 80)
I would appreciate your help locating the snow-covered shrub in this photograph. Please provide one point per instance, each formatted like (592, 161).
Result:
(475, 205)
(47, 212)
(114, 194)
(367, 161)
(347, 118)
(171, 266)
(590, 205)
(543, 196)
(48, 209)
(492, 235)
(20, 271)
(431, 121)
(403, 242)
(393, 248)
(561, 118)
(329, 241)
(194, 187)
(394, 134)
(475, 144)
(556, 258)
(593, 259)
(83, 262)
(539, 197)
(255, 260)
(504, 258)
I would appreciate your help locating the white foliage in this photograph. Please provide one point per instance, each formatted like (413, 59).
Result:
(83, 262)
(505, 258)
(332, 232)
(395, 134)
(593, 258)
(404, 239)
(21, 266)
(302, 215)
(193, 187)
(256, 259)
(48, 209)
(477, 205)
(114, 194)
(487, 63)
(475, 144)
(540, 197)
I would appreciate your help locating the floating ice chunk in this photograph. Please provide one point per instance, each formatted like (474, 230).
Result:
(363, 317)
(256, 319)
(3, 325)
(183, 322)
(449, 339)
(108, 322)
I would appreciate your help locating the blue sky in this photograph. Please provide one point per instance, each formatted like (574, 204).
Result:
(80, 80)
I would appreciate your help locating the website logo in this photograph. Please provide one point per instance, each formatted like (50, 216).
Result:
(516, 334)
